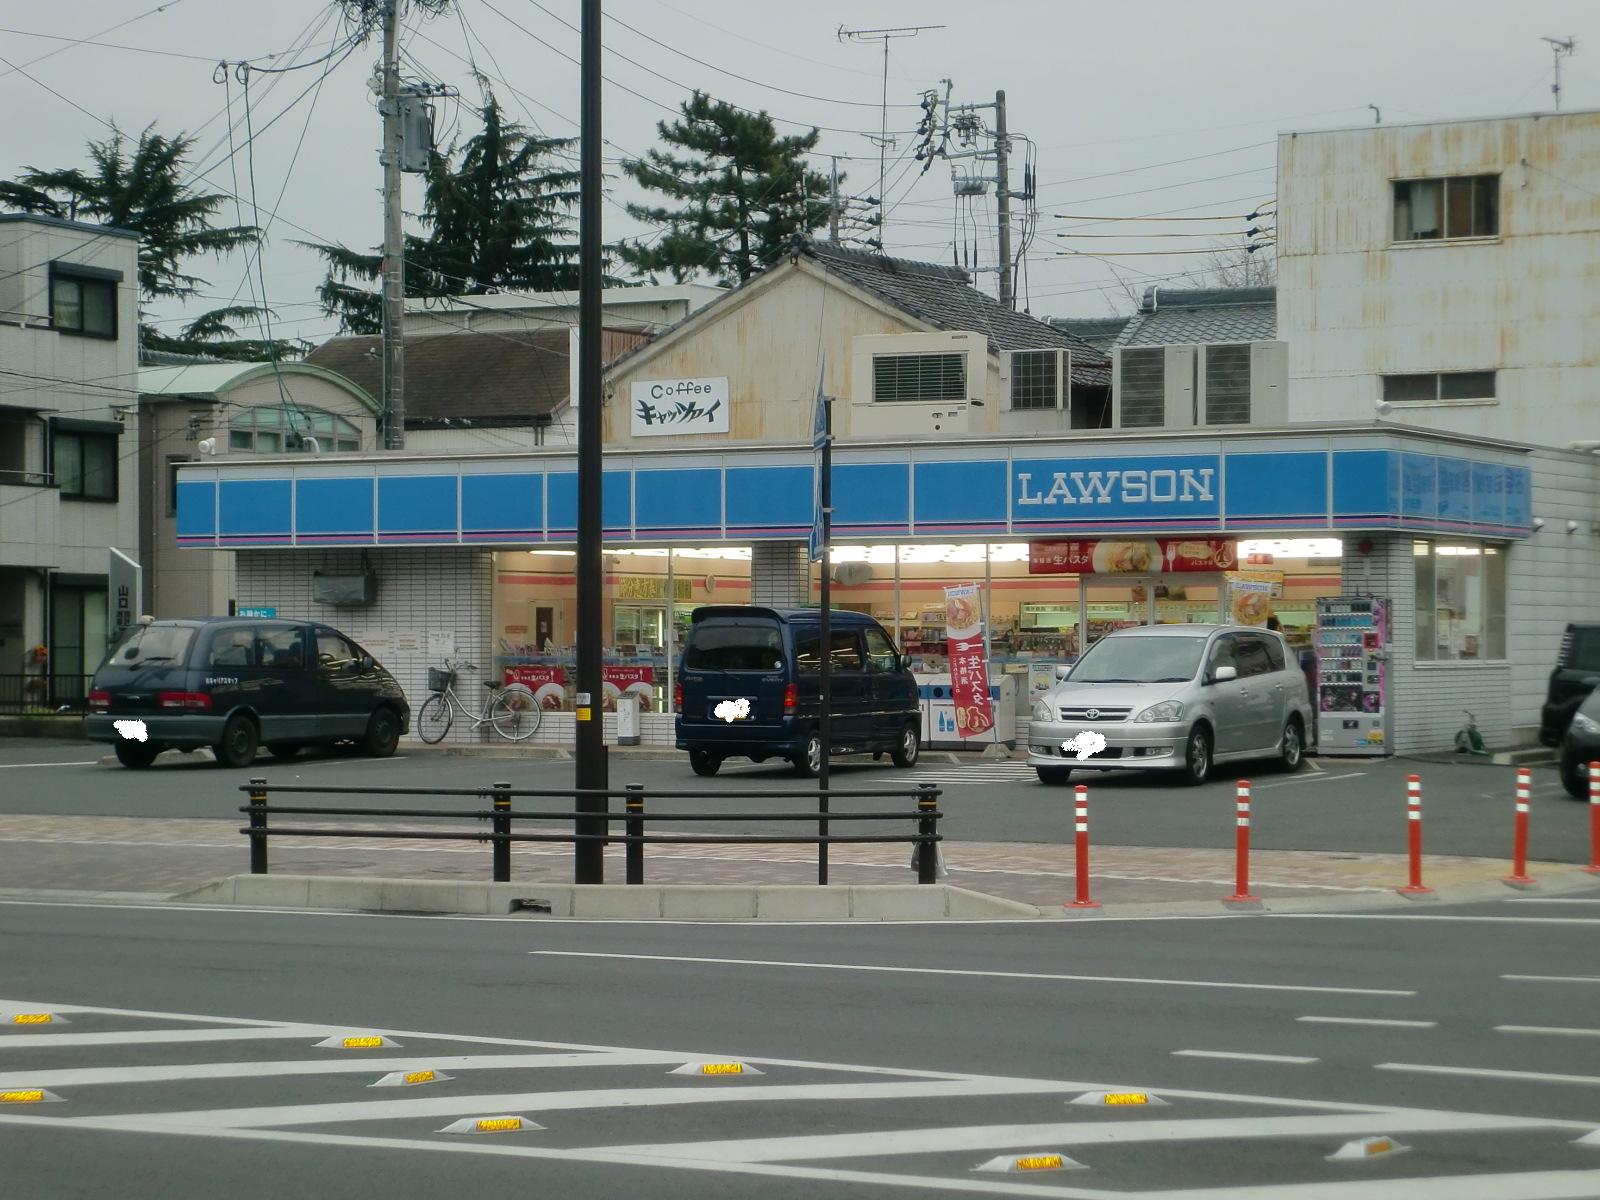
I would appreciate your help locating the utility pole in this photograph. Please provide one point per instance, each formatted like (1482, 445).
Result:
(1002, 198)
(394, 258)
(1560, 46)
(591, 767)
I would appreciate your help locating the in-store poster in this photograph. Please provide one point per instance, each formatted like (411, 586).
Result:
(969, 670)
(549, 684)
(1132, 556)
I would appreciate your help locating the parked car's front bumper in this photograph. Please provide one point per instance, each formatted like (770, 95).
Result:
(1130, 745)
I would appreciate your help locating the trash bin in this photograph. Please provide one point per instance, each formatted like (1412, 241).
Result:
(627, 719)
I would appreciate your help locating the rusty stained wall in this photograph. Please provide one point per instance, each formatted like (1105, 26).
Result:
(1353, 306)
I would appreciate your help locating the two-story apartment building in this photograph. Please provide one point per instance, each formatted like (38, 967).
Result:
(69, 332)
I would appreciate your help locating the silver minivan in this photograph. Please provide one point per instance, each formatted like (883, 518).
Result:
(1174, 697)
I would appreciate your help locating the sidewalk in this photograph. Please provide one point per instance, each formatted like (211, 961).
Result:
(166, 858)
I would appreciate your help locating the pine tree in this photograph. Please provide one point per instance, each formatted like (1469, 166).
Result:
(743, 194)
(497, 219)
(140, 187)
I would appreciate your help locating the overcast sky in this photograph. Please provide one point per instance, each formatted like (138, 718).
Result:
(1114, 95)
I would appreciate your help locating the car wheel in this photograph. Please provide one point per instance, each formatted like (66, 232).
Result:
(703, 762)
(1055, 776)
(1292, 748)
(137, 754)
(808, 763)
(1197, 756)
(383, 733)
(1574, 777)
(284, 750)
(906, 750)
(237, 746)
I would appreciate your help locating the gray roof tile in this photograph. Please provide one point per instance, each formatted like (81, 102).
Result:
(1202, 316)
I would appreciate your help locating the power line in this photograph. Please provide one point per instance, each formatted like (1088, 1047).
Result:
(78, 41)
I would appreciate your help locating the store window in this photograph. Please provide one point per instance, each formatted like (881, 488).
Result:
(1461, 601)
(924, 378)
(83, 301)
(84, 464)
(1464, 206)
(275, 429)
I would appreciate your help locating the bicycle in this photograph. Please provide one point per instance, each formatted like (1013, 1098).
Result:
(512, 711)
(1468, 739)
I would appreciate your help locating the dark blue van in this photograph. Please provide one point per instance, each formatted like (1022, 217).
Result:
(771, 659)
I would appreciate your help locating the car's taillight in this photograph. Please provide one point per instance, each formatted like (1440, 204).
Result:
(100, 701)
(791, 699)
(187, 701)
(677, 696)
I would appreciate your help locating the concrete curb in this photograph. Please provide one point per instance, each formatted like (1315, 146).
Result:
(682, 902)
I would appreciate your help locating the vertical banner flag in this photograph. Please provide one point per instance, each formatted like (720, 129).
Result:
(969, 670)
(819, 442)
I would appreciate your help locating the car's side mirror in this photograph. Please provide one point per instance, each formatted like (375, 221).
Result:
(368, 662)
(905, 662)
(1062, 671)
(1224, 674)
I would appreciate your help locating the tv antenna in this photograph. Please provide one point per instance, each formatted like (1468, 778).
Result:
(883, 140)
(1558, 46)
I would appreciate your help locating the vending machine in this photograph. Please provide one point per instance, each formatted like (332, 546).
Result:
(1352, 694)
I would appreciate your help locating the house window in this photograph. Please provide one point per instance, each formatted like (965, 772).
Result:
(1461, 601)
(1034, 379)
(1463, 206)
(273, 430)
(84, 464)
(83, 302)
(927, 378)
(1228, 385)
(1144, 388)
(1438, 386)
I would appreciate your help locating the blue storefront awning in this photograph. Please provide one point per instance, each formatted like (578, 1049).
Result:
(1237, 485)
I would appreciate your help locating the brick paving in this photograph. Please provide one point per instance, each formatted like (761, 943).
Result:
(169, 857)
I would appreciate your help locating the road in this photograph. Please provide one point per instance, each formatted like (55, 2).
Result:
(1334, 805)
(895, 1058)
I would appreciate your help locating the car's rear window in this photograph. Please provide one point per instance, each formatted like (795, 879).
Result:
(152, 644)
(718, 647)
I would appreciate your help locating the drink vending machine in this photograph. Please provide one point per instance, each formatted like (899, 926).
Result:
(1352, 696)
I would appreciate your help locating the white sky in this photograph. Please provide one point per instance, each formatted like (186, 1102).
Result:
(1112, 94)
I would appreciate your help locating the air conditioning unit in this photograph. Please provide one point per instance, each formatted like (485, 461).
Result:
(920, 385)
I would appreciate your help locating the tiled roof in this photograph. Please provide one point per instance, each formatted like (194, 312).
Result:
(1202, 316)
(1099, 332)
(509, 376)
(944, 298)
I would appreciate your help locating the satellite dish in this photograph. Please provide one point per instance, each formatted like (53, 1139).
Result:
(852, 574)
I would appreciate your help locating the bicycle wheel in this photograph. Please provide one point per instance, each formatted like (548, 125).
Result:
(514, 713)
(434, 717)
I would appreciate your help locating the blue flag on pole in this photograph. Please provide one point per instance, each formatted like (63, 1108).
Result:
(819, 441)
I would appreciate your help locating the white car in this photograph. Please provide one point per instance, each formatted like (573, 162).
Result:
(1181, 698)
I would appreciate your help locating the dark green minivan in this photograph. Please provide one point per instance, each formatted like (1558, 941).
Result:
(235, 684)
(749, 686)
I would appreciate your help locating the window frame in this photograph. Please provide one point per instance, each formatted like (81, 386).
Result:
(1438, 399)
(1447, 184)
(60, 434)
(337, 432)
(82, 277)
(1492, 622)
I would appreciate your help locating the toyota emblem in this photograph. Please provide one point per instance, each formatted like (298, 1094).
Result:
(1092, 713)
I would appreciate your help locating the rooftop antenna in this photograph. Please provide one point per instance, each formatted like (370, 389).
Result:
(1377, 114)
(885, 36)
(1559, 46)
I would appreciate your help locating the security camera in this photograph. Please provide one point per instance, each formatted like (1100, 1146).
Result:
(207, 445)
(1383, 408)
(1572, 527)
(1538, 523)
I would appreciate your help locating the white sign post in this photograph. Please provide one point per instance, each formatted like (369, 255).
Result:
(122, 595)
(667, 406)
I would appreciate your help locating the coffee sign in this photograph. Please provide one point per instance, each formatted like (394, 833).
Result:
(669, 406)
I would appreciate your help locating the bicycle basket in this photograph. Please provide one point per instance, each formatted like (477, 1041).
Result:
(439, 679)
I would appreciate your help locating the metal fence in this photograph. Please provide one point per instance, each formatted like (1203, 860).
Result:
(42, 694)
(636, 821)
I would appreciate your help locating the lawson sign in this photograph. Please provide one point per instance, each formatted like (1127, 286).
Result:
(1087, 489)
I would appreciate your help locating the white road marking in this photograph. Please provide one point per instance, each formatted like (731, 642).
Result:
(1554, 978)
(1553, 900)
(168, 1073)
(1551, 1030)
(1293, 1059)
(1368, 1021)
(1439, 917)
(1070, 1133)
(92, 762)
(1490, 1073)
(1325, 777)
(146, 1037)
(873, 968)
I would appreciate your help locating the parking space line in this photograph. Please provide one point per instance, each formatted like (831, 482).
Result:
(1553, 978)
(1490, 1073)
(1241, 1056)
(1325, 777)
(1551, 1030)
(91, 762)
(1397, 1024)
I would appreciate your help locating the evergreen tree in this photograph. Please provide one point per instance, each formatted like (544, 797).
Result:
(140, 187)
(497, 218)
(742, 194)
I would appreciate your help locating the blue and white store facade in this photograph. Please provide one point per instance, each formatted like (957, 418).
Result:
(470, 556)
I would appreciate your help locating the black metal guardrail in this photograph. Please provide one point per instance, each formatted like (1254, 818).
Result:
(633, 817)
